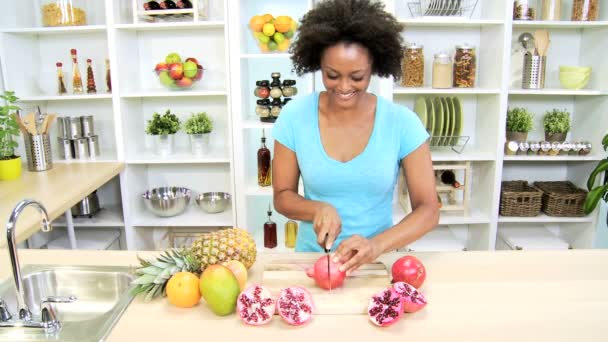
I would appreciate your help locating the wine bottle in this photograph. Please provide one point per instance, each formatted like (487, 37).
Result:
(448, 177)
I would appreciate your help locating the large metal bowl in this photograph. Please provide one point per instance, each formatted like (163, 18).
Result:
(213, 202)
(167, 201)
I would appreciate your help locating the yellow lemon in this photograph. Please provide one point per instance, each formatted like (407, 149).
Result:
(268, 29)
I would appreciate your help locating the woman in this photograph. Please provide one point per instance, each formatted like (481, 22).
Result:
(348, 144)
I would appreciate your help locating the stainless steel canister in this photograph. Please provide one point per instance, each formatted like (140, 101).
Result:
(93, 142)
(81, 148)
(63, 122)
(88, 128)
(66, 150)
(74, 128)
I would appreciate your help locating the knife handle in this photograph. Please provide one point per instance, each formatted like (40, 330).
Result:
(325, 244)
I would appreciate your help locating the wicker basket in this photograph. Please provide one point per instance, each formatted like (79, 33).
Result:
(562, 199)
(518, 198)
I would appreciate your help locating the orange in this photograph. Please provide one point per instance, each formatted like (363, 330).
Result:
(267, 17)
(282, 24)
(284, 46)
(256, 23)
(239, 270)
(263, 47)
(183, 290)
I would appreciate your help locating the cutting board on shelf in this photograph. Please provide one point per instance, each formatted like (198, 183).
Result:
(351, 298)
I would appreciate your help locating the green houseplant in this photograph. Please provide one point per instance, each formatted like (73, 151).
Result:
(599, 192)
(163, 129)
(199, 127)
(10, 164)
(557, 125)
(519, 123)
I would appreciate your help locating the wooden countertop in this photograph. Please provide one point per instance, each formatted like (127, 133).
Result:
(57, 189)
(473, 296)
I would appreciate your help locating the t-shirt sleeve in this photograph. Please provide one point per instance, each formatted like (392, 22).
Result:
(283, 128)
(413, 134)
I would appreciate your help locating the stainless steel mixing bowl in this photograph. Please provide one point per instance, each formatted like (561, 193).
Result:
(167, 201)
(213, 202)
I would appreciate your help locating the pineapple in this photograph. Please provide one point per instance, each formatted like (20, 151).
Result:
(223, 245)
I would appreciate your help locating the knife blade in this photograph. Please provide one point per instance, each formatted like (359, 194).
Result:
(327, 254)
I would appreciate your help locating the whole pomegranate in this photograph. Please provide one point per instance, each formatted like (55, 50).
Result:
(255, 305)
(319, 273)
(295, 305)
(410, 270)
(385, 307)
(413, 300)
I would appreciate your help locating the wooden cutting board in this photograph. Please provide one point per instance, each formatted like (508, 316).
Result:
(351, 298)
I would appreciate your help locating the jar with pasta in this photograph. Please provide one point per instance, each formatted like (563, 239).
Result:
(413, 66)
(524, 10)
(585, 10)
(63, 12)
(465, 66)
(442, 71)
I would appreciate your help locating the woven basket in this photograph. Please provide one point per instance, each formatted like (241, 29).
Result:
(562, 199)
(518, 198)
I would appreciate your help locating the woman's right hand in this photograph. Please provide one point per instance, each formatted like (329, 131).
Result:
(326, 221)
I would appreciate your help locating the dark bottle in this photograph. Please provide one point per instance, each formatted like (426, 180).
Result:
(448, 177)
(270, 231)
(264, 171)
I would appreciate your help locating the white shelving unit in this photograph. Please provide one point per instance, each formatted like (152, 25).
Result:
(224, 45)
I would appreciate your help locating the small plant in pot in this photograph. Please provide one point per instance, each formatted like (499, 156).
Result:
(557, 125)
(519, 123)
(10, 164)
(163, 129)
(199, 127)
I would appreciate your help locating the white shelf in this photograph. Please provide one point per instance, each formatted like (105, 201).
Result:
(266, 55)
(449, 22)
(109, 216)
(215, 156)
(172, 26)
(67, 97)
(558, 24)
(256, 123)
(592, 157)
(439, 239)
(56, 30)
(192, 217)
(105, 155)
(543, 218)
(177, 93)
(565, 92)
(446, 217)
(449, 155)
(450, 91)
(254, 190)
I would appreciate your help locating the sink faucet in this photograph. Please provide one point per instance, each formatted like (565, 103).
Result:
(48, 320)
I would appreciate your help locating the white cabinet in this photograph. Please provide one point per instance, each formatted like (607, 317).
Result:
(233, 62)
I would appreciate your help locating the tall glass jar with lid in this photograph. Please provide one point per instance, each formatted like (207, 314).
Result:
(585, 10)
(442, 71)
(465, 66)
(63, 12)
(412, 66)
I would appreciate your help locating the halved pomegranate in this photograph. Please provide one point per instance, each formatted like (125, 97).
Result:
(255, 305)
(385, 307)
(410, 270)
(295, 305)
(413, 300)
(319, 273)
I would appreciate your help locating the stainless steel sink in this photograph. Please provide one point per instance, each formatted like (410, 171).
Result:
(102, 297)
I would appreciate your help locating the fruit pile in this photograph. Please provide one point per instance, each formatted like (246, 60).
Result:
(273, 34)
(175, 74)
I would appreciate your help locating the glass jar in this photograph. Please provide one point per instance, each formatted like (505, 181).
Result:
(412, 66)
(63, 12)
(523, 10)
(442, 71)
(291, 232)
(585, 10)
(262, 90)
(464, 66)
(262, 109)
(288, 88)
(551, 10)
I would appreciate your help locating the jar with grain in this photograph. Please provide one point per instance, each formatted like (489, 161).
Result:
(63, 12)
(551, 10)
(524, 10)
(442, 71)
(585, 10)
(465, 66)
(413, 66)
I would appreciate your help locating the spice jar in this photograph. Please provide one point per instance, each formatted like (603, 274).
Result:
(585, 10)
(555, 148)
(523, 10)
(545, 146)
(275, 109)
(576, 148)
(262, 90)
(566, 147)
(464, 66)
(442, 71)
(412, 66)
(288, 88)
(275, 86)
(585, 149)
(524, 146)
(511, 148)
(551, 10)
(534, 147)
(63, 12)
(263, 108)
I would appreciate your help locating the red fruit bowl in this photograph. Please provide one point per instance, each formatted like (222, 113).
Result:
(179, 76)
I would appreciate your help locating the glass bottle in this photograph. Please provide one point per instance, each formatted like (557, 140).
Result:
(76, 79)
(412, 66)
(270, 231)
(60, 83)
(442, 71)
(264, 171)
(464, 66)
(91, 88)
(291, 231)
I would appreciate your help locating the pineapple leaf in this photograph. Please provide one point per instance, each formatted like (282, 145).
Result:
(161, 264)
(139, 289)
(144, 279)
(152, 293)
(152, 270)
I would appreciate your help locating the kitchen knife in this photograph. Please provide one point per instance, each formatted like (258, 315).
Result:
(327, 254)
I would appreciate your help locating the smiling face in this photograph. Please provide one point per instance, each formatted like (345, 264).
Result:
(347, 72)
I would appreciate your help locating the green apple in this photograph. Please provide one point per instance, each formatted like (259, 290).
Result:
(166, 80)
(190, 69)
(173, 58)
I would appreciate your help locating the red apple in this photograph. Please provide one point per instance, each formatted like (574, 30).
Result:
(185, 82)
(160, 67)
(199, 74)
(176, 71)
(191, 59)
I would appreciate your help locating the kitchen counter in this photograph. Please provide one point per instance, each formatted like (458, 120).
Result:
(473, 296)
(57, 189)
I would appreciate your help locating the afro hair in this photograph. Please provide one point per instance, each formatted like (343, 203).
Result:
(351, 21)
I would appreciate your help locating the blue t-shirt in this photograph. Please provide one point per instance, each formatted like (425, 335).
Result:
(361, 189)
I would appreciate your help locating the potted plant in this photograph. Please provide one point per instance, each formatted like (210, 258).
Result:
(199, 127)
(10, 164)
(519, 123)
(163, 129)
(557, 125)
(599, 192)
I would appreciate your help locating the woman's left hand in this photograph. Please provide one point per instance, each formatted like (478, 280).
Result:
(354, 252)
